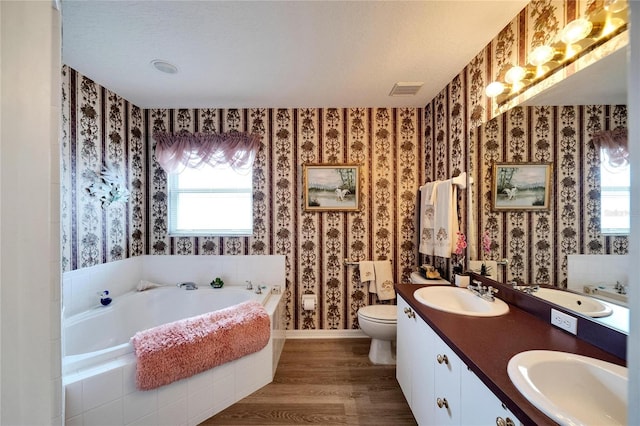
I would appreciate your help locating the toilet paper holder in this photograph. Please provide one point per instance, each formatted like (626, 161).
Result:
(309, 302)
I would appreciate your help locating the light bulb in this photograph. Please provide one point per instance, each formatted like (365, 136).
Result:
(494, 89)
(541, 55)
(515, 74)
(576, 30)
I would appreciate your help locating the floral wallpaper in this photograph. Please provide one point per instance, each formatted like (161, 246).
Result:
(399, 150)
(461, 128)
(100, 127)
(537, 243)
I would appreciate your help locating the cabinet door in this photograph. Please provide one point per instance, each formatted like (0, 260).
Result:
(480, 406)
(423, 380)
(446, 398)
(404, 363)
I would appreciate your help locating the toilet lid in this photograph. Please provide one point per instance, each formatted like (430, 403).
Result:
(380, 313)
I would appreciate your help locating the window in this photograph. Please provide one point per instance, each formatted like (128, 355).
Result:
(211, 201)
(614, 198)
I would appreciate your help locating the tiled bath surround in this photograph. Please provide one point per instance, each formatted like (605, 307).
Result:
(596, 270)
(107, 394)
(81, 287)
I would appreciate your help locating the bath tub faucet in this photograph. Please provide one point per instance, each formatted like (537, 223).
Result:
(531, 288)
(249, 285)
(620, 288)
(188, 286)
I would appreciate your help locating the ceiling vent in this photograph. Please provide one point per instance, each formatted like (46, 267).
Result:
(404, 88)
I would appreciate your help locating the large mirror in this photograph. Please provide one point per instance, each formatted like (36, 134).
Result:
(554, 126)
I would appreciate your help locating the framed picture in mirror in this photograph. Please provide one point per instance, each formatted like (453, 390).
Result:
(521, 186)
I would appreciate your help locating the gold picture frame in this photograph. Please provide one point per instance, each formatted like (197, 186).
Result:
(521, 186)
(331, 187)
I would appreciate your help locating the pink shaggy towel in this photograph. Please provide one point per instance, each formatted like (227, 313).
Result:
(180, 349)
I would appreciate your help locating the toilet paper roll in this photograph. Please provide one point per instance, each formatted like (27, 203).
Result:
(308, 303)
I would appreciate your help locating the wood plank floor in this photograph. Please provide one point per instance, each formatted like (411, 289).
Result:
(324, 382)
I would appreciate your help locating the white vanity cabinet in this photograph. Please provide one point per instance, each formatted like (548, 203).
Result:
(481, 406)
(438, 386)
(447, 367)
(414, 365)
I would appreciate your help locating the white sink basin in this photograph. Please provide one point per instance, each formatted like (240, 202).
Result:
(571, 389)
(459, 301)
(580, 303)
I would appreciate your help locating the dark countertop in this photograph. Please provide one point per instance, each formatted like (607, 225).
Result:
(485, 345)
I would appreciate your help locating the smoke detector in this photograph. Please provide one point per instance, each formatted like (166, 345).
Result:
(406, 88)
(164, 66)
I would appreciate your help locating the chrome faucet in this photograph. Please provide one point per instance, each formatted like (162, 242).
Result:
(249, 285)
(258, 289)
(483, 292)
(524, 288)
(620, 288)
(188, 285)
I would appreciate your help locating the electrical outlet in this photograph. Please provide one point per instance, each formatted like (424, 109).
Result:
(564, 321)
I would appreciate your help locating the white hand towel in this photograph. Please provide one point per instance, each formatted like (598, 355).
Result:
(446, 218)
(383, 283)
(367, 272)
(427, 218)
(492, 267)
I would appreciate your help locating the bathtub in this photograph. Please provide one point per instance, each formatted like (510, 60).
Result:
(102, 334)
(98, 355)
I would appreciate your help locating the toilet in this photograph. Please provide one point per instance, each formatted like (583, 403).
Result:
(379, 323)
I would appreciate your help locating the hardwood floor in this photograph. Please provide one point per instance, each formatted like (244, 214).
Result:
(324, 382)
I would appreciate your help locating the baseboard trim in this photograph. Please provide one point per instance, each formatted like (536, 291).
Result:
(324, 334)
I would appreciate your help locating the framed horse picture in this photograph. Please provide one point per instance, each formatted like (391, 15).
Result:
(521, 186)
(331, 187)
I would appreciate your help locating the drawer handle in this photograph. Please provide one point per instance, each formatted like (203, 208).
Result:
(409, 312)
(442, 359)
(442, 402)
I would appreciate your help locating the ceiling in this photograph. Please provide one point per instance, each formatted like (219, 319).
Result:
(243, 54)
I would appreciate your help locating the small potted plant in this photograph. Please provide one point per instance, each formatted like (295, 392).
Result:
(217, 283)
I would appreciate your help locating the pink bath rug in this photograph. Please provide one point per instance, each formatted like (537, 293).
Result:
(180, 349)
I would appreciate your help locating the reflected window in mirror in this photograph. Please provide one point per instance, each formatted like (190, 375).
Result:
(614, 182)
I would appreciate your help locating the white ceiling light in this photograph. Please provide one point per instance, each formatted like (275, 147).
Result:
(164, 66)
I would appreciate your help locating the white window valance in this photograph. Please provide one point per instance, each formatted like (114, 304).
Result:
(176, 151)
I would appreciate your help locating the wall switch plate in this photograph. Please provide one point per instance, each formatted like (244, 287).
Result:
(564, 321)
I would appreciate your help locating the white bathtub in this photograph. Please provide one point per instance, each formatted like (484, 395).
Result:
(97, 354)
(103, 333)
